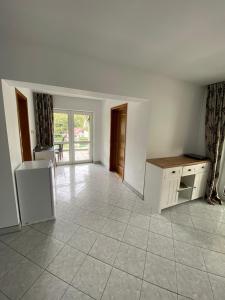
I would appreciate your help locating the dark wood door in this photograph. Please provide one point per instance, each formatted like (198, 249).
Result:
(118, 139)
(24, 130)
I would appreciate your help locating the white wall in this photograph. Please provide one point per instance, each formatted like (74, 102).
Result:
(12, 124)
(94, 106)
(12, 129)
(136, 141)
(8, 206)
(166, 125)
(174, 119)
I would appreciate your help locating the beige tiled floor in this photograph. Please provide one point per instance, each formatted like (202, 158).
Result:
(105, 244)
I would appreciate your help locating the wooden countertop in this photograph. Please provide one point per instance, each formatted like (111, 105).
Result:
(170, 162)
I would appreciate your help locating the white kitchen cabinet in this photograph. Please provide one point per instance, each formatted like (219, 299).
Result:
(174, 180)
(199, 185)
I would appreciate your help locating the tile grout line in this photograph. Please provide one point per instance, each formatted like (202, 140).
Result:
(146, 253)
(208, 275)
(175, 261)
(113, 264)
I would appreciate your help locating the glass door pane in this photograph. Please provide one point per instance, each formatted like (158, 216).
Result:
(82, 137)
(61, 137)
(82, 152)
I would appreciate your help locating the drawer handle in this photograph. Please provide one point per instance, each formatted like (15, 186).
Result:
(203, 167)
(173, 172)
(189, 170)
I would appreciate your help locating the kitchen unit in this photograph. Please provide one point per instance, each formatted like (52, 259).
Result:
(173, 180)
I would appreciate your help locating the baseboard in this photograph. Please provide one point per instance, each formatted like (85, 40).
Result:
(97, 162)
(10, 229)
(133, 189)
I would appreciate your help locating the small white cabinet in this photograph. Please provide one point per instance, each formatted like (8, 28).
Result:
(170, 181)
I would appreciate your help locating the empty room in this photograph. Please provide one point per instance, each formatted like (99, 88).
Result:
(112, 127)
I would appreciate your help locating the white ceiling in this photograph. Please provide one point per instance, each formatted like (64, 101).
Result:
(181, 38)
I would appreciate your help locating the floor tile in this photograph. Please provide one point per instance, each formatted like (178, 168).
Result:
(189, 255)
(218, 286)
(131, 260)
(142, 208)
(214, 242)
(124, 202)
(3, 297)
(164, 216)
(46, 287)
(161, 227)
(8, 238)
(74, 294)
(44, 252)
(182, 219)
(103, 210)
(182, 298)
(193, 283)
(186, 234)
(153, 292)
(93, 222)
(160, 245)
(160, 271)
(59, 229)
(105, 249)
(214, 261)
(122, 286)
(67, 263)
(205, 225)
(28, 241)
(83, 239)
(92, 277)
(136, 237)
(114, 229)
(139, 221)
(120, 214)
(221, 228)
(181, 209)
(8, 259)
(18, 280)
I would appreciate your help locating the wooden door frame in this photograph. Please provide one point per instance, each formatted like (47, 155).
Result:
(19, 95)
(122, 107)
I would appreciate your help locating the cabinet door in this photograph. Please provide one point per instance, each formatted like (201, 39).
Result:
(199, 185)
(170, 188)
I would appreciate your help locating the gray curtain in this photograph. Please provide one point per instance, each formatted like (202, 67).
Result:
(214, 136)
(43, 109)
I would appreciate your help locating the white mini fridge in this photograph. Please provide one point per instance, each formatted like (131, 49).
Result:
(36, 191)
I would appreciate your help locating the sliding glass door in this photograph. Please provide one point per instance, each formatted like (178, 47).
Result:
(72, 137)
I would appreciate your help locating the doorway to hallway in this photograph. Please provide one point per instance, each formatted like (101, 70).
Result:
(118, 139)
(23, 122)
(73, 136)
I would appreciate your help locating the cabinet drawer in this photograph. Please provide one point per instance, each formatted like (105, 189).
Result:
(204, 167)
(188, 170)
(172, 172)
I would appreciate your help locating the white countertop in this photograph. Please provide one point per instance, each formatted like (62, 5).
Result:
(35, 164)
